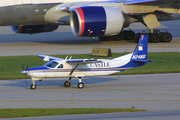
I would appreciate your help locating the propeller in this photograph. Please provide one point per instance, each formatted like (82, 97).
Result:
(24, 70)
(25, 73)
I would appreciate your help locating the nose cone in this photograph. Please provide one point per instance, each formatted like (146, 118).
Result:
(24, 72)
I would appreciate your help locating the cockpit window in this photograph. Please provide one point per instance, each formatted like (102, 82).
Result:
(60, 66)
(51, 64)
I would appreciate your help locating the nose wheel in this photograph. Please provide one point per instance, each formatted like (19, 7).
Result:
(33, 86)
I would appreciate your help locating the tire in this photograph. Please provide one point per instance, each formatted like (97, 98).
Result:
(166, 37)
(137, 37)
(119, 36)
(80, 85)
(155, 38)
(107, 38)
(129, 35)
(33, 87)
(67, 84)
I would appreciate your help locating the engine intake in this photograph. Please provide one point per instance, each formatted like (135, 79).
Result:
(93, 21)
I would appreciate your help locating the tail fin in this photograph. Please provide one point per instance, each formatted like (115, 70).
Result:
(141, 51)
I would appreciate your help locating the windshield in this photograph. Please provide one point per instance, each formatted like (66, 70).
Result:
(51, 64)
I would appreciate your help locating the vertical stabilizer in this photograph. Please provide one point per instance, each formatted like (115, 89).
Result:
(141, 52)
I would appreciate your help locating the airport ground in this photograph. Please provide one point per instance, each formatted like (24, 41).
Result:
(154, 92)
(62, 41)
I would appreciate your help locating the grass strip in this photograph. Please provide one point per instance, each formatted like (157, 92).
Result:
(164, 62)
(17, 113)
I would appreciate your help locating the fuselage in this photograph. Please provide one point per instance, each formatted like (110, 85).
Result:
(92, 69)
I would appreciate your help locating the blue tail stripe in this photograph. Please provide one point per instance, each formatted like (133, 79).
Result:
(141, 53)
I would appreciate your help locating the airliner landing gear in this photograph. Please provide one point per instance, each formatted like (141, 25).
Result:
(68, 83)
(155, 37)
(123, 35)
(128, 34)
(80, 85)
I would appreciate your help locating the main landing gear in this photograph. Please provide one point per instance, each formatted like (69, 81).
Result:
(123, 35)
(80, 85)
(154, 37)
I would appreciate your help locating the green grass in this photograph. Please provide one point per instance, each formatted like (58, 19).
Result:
(164, 62)
(16, 113)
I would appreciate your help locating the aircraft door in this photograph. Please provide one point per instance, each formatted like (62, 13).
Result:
(26, 1)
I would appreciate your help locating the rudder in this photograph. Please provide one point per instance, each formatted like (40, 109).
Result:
(141, 51)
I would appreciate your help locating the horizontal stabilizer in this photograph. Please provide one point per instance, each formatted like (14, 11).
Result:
(142, 61)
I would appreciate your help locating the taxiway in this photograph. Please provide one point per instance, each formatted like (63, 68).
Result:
(149, 92)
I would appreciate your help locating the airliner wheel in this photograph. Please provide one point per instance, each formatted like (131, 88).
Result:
(80, 85)
(129, 35)
(166, 37)
(106, 38)
(155, 38)
(136, 38)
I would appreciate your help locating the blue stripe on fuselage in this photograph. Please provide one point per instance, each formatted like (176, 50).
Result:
(95, 21)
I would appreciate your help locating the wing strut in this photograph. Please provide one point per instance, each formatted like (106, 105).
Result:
(74, 69)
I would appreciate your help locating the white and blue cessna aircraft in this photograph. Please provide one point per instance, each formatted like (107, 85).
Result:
(79, 68)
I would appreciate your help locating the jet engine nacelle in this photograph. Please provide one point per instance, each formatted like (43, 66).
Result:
(31, 29)
(93, 21)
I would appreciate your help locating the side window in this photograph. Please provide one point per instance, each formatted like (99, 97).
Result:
(60, 66)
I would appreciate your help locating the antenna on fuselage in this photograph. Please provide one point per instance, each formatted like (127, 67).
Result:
(66, 57)
(70, 58)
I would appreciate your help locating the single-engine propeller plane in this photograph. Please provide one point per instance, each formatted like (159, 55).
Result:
(79, 68)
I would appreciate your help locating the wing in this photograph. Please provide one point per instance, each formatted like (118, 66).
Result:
(149, 2)
(84, 61)
(81, 61)
(49, 58)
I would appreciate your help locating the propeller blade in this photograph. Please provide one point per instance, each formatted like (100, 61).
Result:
(22, 67)
(27, 67)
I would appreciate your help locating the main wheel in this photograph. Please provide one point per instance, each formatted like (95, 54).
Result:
(129, 35)
(166, 37)
(80, 85)
(33, 86)
(67, 84)
(106, 38)
(137, 37)
(155, 38)
(119, 36)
